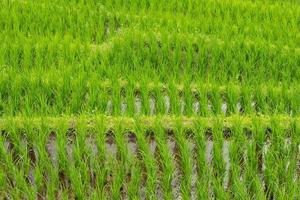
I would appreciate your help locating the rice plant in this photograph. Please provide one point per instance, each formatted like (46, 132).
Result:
(149, 99)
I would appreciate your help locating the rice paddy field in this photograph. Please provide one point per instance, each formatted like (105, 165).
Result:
(128, 99)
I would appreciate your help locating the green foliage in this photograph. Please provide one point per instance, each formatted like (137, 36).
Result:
(127, 99)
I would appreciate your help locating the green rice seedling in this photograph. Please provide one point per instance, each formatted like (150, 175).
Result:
(204, 101)
(16, 165)
(174, 95)
(6, 158)
(2, 57)
(260, 137)
(189, 97)
(247, 100)
(166, 163)
(104, 99)
(232, 98)
(124, 163)
(185, 161)
(288, 173)
(274, 101)
(76, 182)
(19, 139)
(295, 145)
(130, 100)
(286, 100)
(100, 35)
(27, 56)
(35, 172)
(100, 172)
(14, 103)
(218, 162)
(53, 172)
(254, 185)
(11, 173)
(253, 171)
(64, 145)
(62, 96)
(92, 95)
(216, 100)
(3, 185)
(260, 101)
(135, 181)
(117, 175)
(160, 100)
(219, 190)
(203, 171)
(237, 162)
(79, 172)
(276, 160)
(116, 99)
(42, 160)
(148, 161)
(292, 96)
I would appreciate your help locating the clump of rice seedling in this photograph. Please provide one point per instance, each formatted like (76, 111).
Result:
(232, 99)
(238, 146)
(189, 98)
(133, 186)
(175, 103)
(247, 101)
(205, 105)
(148, 161)
(218, 162)
(161, 100)
(100, 172)
(185, 161)
(165, 161)
(254, 166)
(203, 170)
(130, 100)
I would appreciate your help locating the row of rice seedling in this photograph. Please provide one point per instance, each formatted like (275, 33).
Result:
(83, 95)
(167, 122)
(143, 56)
(190, 7)
(56, 161)
(92, 23)
(85, 24)
(227, 19)
(166, 6)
